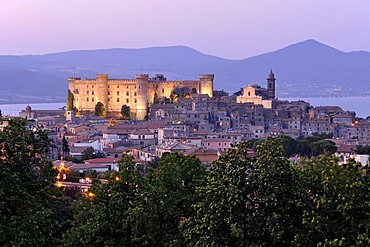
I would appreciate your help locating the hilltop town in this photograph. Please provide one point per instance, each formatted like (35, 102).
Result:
(176, 118)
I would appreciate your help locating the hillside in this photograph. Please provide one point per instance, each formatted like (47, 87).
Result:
(308, 68)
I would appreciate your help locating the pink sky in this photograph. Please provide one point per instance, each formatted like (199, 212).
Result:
(226, 28)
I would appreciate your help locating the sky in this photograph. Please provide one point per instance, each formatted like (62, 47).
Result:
(232, 29)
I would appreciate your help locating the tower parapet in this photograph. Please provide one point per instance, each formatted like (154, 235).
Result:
(206, 84)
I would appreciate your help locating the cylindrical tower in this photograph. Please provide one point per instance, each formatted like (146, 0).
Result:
(142, 96)
(101, 91)
(206, 84)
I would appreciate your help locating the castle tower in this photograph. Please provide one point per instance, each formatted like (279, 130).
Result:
(271, 85)
(142, 97)
(101, 91)
(206, 84)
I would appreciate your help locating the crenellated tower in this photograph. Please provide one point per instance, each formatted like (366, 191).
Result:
(206, 84)
(271, 85)
(142, 97)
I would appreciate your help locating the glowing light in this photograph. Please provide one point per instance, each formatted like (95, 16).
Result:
(117, 178)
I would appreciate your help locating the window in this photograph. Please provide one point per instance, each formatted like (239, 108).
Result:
(127, 93)
(92, 86)
(249, 93)
(92, 99)
(117, 99)
(162, 90)
(117, 86)
(117, 93)
(87, 99)
(135, 94)
(87, 92)
(135, 100)
(108, 93)
(108, 99)
(92, 92)
(127, 101)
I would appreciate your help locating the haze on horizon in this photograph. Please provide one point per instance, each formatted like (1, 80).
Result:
(230, 29)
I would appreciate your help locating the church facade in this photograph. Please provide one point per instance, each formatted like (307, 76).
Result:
(136, 93)
(258, 95)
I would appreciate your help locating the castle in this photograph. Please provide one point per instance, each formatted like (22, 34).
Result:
(136, 93)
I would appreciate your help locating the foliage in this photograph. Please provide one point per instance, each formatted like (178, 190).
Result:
(89, 153)
(362, 149)
(29, 201)
(125, 112)
(102, 216)
(179, 92)
(65, 147)
(70, 99)
(100, 110)
(306, 147)
(338, 196)
(249, 201)
(155, 98)
(168, 195)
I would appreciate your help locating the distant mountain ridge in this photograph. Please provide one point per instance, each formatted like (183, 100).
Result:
(307, 68)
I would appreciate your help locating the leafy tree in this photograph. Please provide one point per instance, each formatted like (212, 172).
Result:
(249, 201)
(99, 109)
(1, 114)
(338, 197)
(155, 98)
(167, 198)
(65, 147)
(125, 112)
(102, 215)
(362, 149)
(322, 146)
(29, 201)
(89, 153)
(70, 99)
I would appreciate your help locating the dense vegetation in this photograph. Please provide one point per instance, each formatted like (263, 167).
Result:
(263, 200)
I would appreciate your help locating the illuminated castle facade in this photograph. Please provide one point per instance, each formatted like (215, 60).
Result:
(136, 93)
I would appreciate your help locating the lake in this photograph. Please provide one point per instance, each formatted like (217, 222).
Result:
(361, 105)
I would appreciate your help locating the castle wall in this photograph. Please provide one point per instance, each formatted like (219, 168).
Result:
(135, 93)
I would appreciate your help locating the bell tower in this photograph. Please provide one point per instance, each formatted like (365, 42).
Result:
(271, 85)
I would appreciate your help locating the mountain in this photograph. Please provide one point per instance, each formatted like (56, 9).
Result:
(308, 68)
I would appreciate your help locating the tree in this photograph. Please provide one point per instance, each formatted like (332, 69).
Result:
(362, 149)
(99, 110)
(125, 112)
(70, 99)
(249, 201)
(338, 196)
(65, 147)
(89, 153)
(1, 114)
(103, 214)
(168, 195)
(29, 200)
(155, 98)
